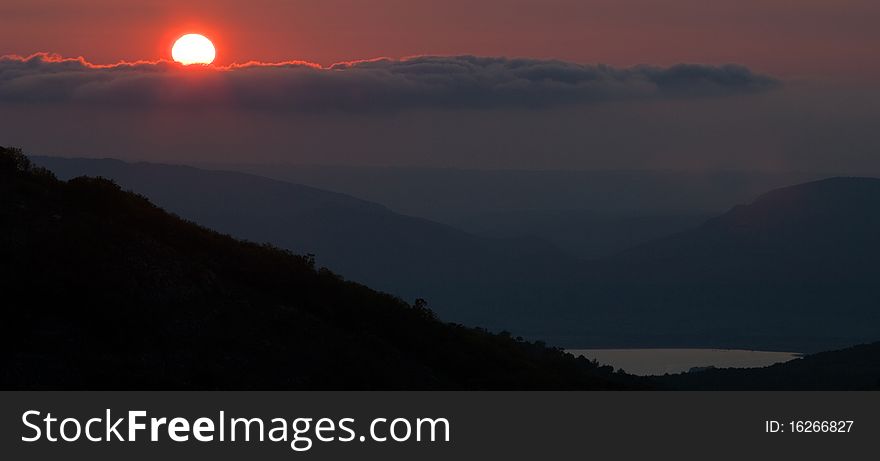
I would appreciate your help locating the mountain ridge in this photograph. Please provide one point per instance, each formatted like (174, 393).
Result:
(104, 290)
(736, 281)
(797, 262)
(408, 256)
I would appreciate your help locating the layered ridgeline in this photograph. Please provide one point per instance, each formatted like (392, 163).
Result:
(102, 289)
(790, 271)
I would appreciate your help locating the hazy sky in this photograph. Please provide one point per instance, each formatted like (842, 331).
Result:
(803, 94)
(784, 37)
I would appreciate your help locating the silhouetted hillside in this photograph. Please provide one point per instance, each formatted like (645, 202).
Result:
(855, 368)
(363, 241)
(101, 289)
(791, 271)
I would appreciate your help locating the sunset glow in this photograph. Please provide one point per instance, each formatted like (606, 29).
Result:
(193, 49)
(511, 199)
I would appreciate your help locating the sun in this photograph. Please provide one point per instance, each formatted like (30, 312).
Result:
(193, 49)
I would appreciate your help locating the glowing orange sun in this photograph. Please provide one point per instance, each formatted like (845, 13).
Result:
(193, 49)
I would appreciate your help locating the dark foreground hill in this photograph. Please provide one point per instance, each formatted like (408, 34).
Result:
(101, 289)
(855, 368)
(363, 241)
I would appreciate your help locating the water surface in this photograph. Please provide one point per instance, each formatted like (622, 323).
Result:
(646, 362)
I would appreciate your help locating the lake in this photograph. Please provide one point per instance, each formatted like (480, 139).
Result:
(646, 362)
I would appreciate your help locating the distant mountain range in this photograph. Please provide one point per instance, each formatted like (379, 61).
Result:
(583, 234)
(589, 214)
(791, 271)
(448, 195)
(797, 268)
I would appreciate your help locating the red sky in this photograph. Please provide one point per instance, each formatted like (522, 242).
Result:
(823, 117)
(831, 39)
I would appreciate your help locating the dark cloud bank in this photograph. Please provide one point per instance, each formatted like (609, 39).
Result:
(364, 86)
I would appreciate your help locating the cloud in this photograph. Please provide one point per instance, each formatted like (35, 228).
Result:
(381, 85)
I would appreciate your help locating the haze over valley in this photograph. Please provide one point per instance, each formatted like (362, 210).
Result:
(697, 282)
